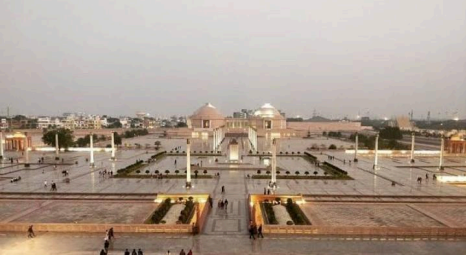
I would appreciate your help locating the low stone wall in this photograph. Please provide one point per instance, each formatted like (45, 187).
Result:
(97, 228)
(365, 231)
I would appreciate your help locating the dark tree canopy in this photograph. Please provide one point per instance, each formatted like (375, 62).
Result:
(65, 138)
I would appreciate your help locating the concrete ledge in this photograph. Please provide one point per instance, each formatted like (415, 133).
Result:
(97, 228)
(365, 231)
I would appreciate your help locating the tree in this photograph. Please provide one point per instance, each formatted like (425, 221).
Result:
(259, 171)
(157, 144)
(156, 172)
(267, 172)
(287, 172)
(332, 147)
(297, 172)
(65, 138)
(181, 125)
(167, 171)
(177, 172)
(306, 173)
(117, 138)
(315, 173)
(205, 171)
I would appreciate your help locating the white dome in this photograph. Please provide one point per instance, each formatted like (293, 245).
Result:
(268, 111)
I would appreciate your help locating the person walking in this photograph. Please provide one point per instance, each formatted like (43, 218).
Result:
(127, 252)
(190, 252)
(251, 232)
(134, 252)
(140, 252)
(182, 252)
(45, 184)
(223, 189)
(226, 204)
(102, 252)
(111, 234)
(259, 231)
(31, 232)
(106, 244)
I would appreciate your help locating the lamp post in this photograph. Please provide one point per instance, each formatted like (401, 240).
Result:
(188, 163)
(376, 156)
(412, 147)
(1, 145)
(113, 146)
(91, 161)
(26, 152)
(356, 144)
(274, 161)
(57, 148)
(442, 147)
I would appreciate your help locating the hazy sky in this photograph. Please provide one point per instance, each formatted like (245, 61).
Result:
(170, 57)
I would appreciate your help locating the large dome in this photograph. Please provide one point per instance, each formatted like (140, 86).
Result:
(268, 111)
(207, 112)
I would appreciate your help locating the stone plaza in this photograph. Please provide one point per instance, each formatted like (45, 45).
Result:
(389, 196)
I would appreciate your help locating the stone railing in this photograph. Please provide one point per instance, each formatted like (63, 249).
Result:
(365, 231)
(97, 228)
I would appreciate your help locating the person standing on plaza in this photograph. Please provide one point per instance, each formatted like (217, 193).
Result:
(102, 252)
(259, 232)
(140, 252)
(182, 252)
(223, 189)
(251, 232)
(31, 232)
(190, 252)
(127, 252)
(106, 244)
(226, 204)
(111, 234)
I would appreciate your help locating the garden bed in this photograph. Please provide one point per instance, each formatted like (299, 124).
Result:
(296, 214)
(160, 212)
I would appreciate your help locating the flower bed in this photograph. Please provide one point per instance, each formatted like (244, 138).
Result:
(267, 209)
(295, 212)
(160, 213)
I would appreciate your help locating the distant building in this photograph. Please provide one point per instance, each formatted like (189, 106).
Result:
(404, 123)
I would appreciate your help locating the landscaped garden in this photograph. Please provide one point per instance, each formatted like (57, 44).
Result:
(276, 213)
(180, 211)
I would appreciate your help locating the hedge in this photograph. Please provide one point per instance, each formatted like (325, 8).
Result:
(298, 217)
(161, 211)
(267, 208)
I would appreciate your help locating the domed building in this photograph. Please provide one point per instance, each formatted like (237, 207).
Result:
(267, 117)
(206, 117)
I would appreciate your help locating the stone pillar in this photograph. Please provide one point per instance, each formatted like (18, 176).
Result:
(1, 145)
(274, 161)
(188, 163)
(26, 151)
(113, 146)
(91, 161)
(412, 147)
(442, 148)
(57, 148)
(376, 156)
(356, 144)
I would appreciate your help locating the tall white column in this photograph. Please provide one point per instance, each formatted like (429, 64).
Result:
(91, 161)
(188, 163)
(274, 161)
(442, 148)
(356, 144)
(1, 145)
(376, 156)
(113, 146)
(26, 151)
(412, 147)
(57, 149)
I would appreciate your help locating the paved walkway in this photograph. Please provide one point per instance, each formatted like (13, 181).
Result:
(87, 244)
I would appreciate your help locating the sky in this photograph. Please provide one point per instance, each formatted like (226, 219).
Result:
(337, 58)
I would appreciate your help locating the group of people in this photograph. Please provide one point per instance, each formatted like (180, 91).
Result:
(134, 252)
(105, 173)
(419, 178)
(182, 252)
(222, 204)
(53, 186)
(255, 230)
(16, 179)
